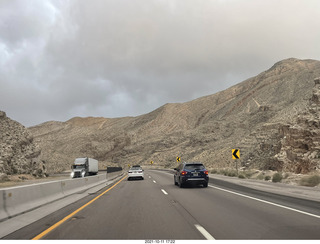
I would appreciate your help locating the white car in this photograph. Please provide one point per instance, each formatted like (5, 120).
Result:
(135, 172)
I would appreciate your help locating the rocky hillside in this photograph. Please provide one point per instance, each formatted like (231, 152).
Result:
(300, 141)
(18, 153)
(249, 116)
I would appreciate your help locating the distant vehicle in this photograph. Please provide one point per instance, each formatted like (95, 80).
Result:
(83, 167)
(135, 172)
(195, 173)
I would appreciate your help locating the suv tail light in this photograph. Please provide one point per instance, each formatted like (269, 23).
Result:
(183, 172)
(206, 172)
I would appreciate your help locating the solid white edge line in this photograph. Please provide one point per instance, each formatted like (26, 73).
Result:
(164, 192)
(205, 233)
(271, 203)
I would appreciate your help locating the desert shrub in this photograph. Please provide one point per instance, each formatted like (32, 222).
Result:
(214, 171)
(232, 173)
(268, 177)
(167, 165)
(223, 172)
(313, 180)
(260, 176)
(277, 177)
(249, 173)
(241, 176)
(3, 177)
(286, 175)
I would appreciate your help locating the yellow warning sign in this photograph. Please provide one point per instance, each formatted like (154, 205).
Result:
(235, 153)
(178, 159)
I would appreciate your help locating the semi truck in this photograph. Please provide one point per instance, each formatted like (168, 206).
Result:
(83, 167)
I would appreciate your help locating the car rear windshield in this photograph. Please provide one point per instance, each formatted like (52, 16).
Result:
(136, 168)
(194, 167)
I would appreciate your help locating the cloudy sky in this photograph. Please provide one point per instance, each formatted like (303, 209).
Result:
(114, 58)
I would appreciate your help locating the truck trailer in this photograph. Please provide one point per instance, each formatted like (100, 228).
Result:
(83, 167)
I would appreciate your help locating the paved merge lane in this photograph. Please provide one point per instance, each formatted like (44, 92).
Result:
(155, 208)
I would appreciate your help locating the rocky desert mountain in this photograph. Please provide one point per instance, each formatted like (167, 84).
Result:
(272, 118)
(300, 141)
(18, 153)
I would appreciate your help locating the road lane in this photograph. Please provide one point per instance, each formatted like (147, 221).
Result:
(229, 216)
(135, 209)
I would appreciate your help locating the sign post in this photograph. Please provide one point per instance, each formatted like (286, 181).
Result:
(236, 156)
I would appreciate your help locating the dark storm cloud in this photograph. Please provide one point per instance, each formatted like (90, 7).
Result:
(61, 59)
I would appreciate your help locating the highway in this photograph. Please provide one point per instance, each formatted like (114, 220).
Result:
(156, 209)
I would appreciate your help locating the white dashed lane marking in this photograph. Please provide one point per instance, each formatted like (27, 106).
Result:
(164, 192)
(205, 233)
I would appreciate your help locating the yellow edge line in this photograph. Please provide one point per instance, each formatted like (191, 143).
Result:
(42, 234)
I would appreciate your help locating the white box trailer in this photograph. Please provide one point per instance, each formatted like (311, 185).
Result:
(84, 166)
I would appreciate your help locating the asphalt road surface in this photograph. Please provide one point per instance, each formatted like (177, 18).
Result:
(156, 209)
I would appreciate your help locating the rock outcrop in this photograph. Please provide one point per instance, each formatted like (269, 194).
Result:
(18, 153)
(300, 146)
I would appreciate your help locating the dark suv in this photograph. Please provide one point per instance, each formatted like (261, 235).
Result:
(191, 173)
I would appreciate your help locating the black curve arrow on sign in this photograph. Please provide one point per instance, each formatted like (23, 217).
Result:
(235, 153)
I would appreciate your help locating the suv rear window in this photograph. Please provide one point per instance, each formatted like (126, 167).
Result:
(194, 167)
